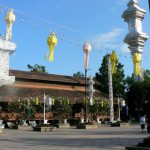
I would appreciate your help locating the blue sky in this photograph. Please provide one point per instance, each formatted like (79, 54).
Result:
(74, 22)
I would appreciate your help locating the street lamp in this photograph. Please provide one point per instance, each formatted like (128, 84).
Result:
(86, 48)
(121, 103)
(47, 102)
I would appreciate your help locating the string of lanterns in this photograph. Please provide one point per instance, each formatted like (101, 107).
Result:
(35, 21)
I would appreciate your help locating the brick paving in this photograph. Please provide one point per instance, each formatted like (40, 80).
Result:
(103, 138)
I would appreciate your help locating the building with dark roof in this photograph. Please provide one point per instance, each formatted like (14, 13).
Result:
(31, 84)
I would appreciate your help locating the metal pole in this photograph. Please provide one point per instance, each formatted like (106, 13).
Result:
(86, 107)
(110, 91)
(118, 109)
(44, 109)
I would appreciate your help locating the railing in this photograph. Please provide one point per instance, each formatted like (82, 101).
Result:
(12, 116)
(9, 116)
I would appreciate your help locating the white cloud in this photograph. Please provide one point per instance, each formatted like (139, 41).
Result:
(106, 40)
(125, 49)
(109, 41)
(122, 2)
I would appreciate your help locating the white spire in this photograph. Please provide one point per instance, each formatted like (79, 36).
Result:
(133, 3)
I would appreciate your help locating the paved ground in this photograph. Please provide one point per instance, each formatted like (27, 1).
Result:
(103, 138)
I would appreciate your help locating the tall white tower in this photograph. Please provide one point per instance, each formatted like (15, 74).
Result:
(6, 48)
(136, 38)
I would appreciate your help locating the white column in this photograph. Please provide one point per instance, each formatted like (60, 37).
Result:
(6, 48)
(110, 92)
(44, 121)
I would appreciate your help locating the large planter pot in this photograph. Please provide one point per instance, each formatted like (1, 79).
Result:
(1, 130)
(145, 145)
(24, 127)
(87, 126)
(82, 120)
(115, 124)
(137, 148)
(43, 129)
(65, 121)
(98, 120)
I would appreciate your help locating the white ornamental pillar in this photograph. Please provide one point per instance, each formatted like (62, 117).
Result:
(6, 49)
(136, 38)
(90, 90)
(110, 91)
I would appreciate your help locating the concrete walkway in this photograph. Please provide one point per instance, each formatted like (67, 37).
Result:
(103, 138)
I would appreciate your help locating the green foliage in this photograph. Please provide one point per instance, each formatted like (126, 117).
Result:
(119, 81)
(15, 107)
(102, 76)
(100, 106)
(37, 68)
(27, 106)
(138, 98)
(118, 78)
(62, 107)
(129, 82)
(138, 95)
(147, 76)
(78, 74)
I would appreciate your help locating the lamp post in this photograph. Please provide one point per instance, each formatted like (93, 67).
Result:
(121, 103)
(86, 48)
(47, 102)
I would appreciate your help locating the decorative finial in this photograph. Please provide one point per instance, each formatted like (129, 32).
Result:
(10, 19)
(133, 3)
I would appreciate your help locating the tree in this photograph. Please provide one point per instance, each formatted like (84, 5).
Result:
(62, 107)
(78, 74)
(129, 81)
(100, 107)
(102, 76)
(138, 95)
(118, 78)
(147, 76)
(37, 68)
(138, 99)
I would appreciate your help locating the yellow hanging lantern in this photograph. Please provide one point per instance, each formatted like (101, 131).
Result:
(113, 59)
(136, 61)
(102, 103)
(52, 42)
(53, 101)
(36, 101)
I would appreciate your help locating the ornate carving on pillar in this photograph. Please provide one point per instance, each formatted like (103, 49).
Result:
(7, 48)
(136, 38)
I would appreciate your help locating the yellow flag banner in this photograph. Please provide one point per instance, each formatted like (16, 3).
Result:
(52, 42)
(113, 59)
(136, 61)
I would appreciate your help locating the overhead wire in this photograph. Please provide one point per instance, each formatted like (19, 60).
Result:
(43, 20)
(35, 22)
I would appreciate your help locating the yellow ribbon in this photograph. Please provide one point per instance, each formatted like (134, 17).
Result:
(113, 59)
(53, 101)
(136, 61)
(36, 101)
(52, 42)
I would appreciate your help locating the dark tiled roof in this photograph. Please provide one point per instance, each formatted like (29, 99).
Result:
(46, 77)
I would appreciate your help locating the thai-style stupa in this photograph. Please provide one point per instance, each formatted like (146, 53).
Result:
(6, 48)
(136, 38)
